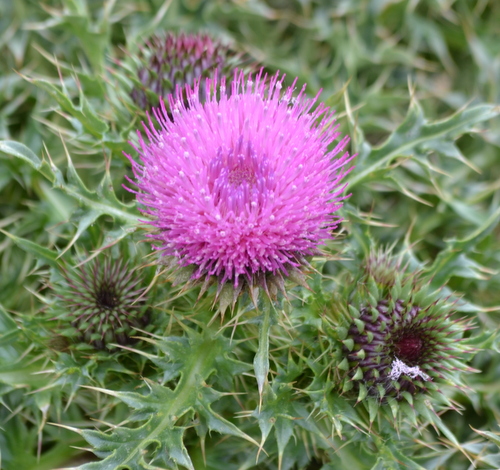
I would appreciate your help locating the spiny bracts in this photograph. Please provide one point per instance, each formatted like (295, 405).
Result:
(101, 302)
(397, 338)
(167, 61)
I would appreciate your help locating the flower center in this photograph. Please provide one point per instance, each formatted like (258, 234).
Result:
(240, 179)
(107, 298)
(409, 348)
(239, 175)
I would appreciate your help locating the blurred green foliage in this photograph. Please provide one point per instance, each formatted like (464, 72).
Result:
(416, 84)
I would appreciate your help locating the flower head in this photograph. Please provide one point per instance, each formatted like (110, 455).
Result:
(241, 186)
(398, 339)
(103, 302)
(171, 60)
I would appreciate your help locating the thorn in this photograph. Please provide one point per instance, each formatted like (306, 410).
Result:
(69, 428)
(261, 448)
(102, 390)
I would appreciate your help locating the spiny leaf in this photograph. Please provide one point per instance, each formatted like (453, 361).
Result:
(126, 448)
(335, 407)
(213, 420)
(84, 113)
(84, 222)
(277, 404)
(103, 201)
(162, 407)
(491, 436)
(390, 457)
(261, 359)
(16, 149)
(453, 258)
(40, 252)
(417, 132)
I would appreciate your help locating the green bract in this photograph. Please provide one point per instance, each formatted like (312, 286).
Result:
(395, 338)
(168, 61)
(103, 300)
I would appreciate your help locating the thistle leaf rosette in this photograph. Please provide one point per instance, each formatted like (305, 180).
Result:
(167, 61)
(101, 302)
(397, 341)
(243, 186)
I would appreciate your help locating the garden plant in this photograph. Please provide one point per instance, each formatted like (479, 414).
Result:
(249, 234)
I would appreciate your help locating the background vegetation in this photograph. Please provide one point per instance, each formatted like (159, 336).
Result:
(416, 84)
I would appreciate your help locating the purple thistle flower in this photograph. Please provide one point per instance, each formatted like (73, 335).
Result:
(242, 185)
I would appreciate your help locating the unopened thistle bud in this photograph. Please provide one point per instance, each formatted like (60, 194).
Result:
(398, 338)
(168, 61)
(102, 301)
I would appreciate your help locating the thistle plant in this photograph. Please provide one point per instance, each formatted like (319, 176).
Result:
(398, 339)
(334, 356)
(242, 187)
(168, 61)
(101, 302)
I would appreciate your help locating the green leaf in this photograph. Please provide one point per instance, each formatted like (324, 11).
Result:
(16, 149)
(84, 222)
(491, 436)
(391, 458)
(340, 410)
(453, 260)
(213, 420)
(103, 201)
(433, 418)
(149, 27)
(159, 440)
(415, 132)
(40, 252)
(84, 112)
(261, 359)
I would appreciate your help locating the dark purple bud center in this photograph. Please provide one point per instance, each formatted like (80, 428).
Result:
(106, 298)
(409, 348)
